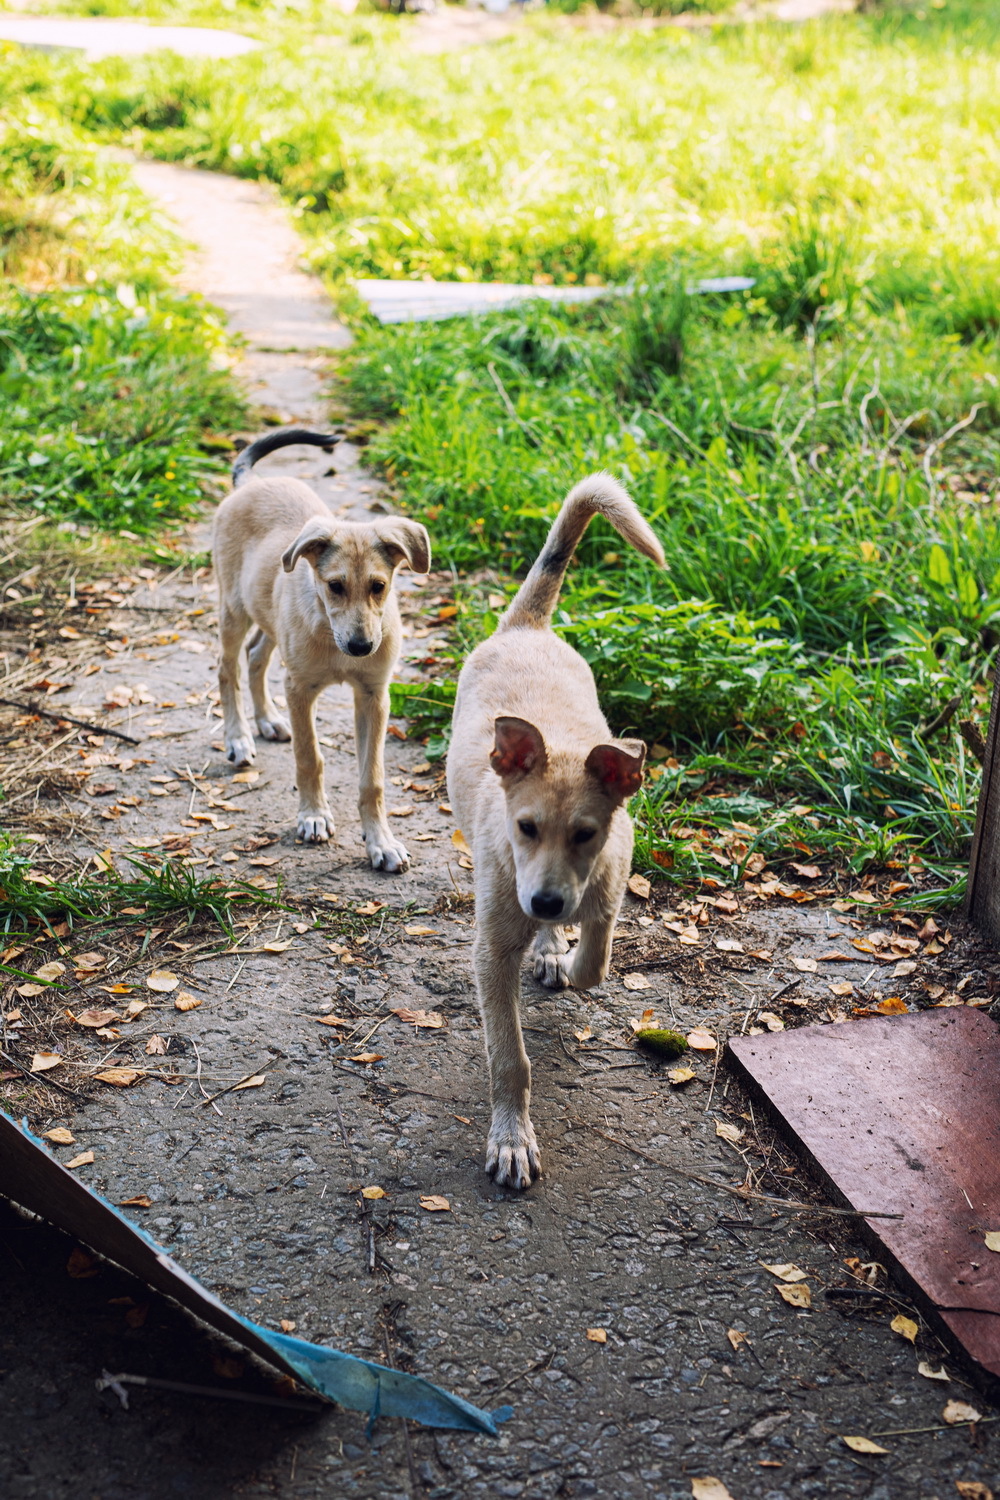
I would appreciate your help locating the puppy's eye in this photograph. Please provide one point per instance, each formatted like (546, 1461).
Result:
(378, 587)
(583, 835)
(528, 828)
(337, 590)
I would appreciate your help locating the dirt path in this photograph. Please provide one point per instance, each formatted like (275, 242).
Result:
(257, 1194)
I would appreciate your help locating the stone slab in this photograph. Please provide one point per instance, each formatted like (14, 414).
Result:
(902, 1115)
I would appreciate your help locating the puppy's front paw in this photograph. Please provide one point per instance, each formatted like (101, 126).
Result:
(315, 827)
(274, 728)
(387, 853)
(552, 969)
(241, 750)
(512, 1158)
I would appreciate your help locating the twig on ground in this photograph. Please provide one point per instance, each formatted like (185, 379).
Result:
(212, 1097)
(46, 713)
(109, 1382)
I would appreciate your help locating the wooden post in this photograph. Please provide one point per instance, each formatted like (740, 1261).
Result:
(983, 899)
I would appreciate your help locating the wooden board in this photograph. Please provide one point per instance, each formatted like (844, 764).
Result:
(983, 898)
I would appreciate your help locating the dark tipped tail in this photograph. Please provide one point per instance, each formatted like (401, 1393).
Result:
(280, 439)
(598, 495)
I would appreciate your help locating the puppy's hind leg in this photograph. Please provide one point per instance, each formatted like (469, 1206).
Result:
(271, 723)
(512, 1157)
(236, 732)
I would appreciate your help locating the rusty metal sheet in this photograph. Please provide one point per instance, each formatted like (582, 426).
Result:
(902, 1116)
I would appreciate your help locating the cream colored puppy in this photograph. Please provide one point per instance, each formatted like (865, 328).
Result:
(320, 590)
(538, 786)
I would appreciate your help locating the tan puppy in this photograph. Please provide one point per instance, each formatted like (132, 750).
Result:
(321, 591)
(538, 786)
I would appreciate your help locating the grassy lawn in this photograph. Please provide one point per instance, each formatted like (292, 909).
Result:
(818, 455)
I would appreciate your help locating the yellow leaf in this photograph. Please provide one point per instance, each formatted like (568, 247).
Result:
(992, 1240)
(434, 1203)
(369, 908)
(121, 1078)
(332, 1020)
(433, 1020)
(973, 1489)
(162, 981)
(584, 1035)
(731, 1133)
(639, 886)
(276, 947)
(43, 1061)
(417, 931)
(864, 1445)
(141, 1200)
(701, 1041)
(681, 1075)
(83, 1160)
(597, 1335)
(258, 1080)
(795, 1296)
(186, 1001)
(247, 777)
(459, 841)
(373, 1192)
(905, 1327)
(893, 1006)
(788, 1271)
(709, 1488)
(287, 1325)
(366, 1057)
(61, 1136)
(959, 1412)
(736, 1338)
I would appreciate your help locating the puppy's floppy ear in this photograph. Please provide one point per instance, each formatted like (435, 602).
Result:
(405, 541)
(618, 767)
(311, 542)
(518, 749)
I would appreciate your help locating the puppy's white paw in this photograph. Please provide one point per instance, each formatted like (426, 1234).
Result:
(387, 853)
(241, 750)
(315, 827)
(274, 728)
(512, 1158)
(552, 969)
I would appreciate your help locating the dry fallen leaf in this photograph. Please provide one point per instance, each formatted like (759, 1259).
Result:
(83, 1160)
(82, 1266)
(842, 987)
(43, 1061)
(929, 1372)
(287, 1325)
(709, 1488)
(434, 1203)
(50, 971)
(597, 1335)
(256, 1082)
(804, 965)
(89, 961)
(905, 1327)
(584, 1035)
(736, 1338)
(366, 1057)
(162, 981)
(992, 1239)
(61, 1136)
(373, 1192)
(788, 1271)
(639, 886)
(247, 777)
(139, 1201)
(864, 1445)
(771, 1021)
(186, 1001)
(156, 1047)
(369, 908)
(95, 1018)
(433, 1020)
(728, 945)
(795, 1296)
(332, 1020)
(973, 1489)
(959, 1412)
(731, 1133)
(121, 1078)
(892, 1005)
(636, 982)
(681, 1075)
(701, 1041)
(417, 931)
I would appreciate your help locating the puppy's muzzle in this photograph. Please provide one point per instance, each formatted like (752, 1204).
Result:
(358, 646)
(547, 904)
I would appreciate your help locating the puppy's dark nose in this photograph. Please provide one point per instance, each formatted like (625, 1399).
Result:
(546, 904)
(359, 647)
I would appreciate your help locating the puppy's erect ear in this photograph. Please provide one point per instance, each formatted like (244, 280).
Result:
(312, 541)
(618, 767)
(405, 541)
(519, 748)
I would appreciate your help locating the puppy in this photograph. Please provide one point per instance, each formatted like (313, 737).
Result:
(538, 786)
(321, 591)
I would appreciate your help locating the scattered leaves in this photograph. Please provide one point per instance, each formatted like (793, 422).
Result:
(701, 1041)
(418, 931)
(366, 1057)
(864, 1445)
(929, 1372)
(60, 1136)
(992, 1240)
(156, 1047)
(729, 1132)
(905, 1327)
(120, 1078)
(43, 1061)
(95, 1018)
(432, 1020)
(639, 886)
(373, 1192)
(788, 1271)
(958, 1412)
(83, 1160)
(598, 1335)
(681, 1075)
(256, 1082)
(795, 1296)
(186, 1001)
(973, 1489)
(636, 982)
(709, 1488)
(804, 965)
(141, 1200)
(162, 981)
(736, 1338)
(434, 1203)
(369, 908)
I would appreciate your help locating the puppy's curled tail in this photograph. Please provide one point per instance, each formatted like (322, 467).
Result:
(280, 439)
(597, 495)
